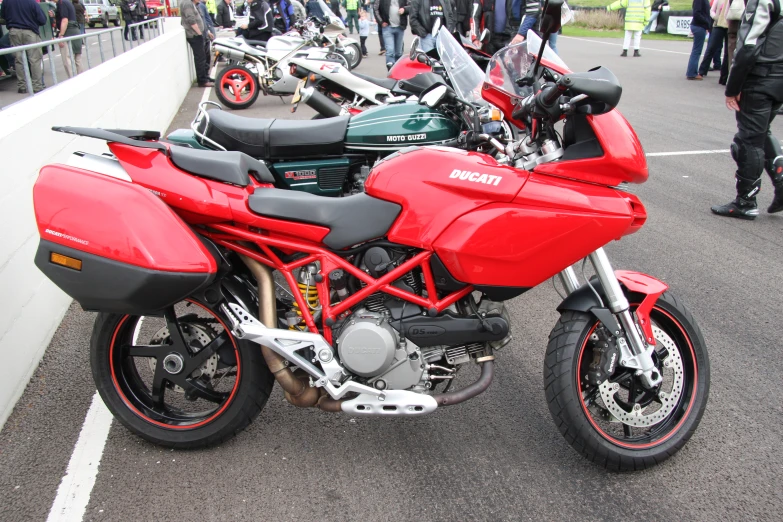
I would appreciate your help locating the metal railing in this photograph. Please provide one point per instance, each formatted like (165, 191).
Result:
(154, 27)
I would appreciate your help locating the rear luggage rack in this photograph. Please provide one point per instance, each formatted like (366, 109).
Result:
(115, 136)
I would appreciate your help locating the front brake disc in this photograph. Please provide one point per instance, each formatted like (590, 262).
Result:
(637, 416)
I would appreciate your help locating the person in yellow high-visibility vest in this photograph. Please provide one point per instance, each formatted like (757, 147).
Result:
(637, 14)
(351, 14)
(212, 9)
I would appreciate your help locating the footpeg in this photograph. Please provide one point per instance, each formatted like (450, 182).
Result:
(391, 402)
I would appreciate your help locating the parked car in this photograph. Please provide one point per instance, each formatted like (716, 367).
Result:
(155, 8)
(101, 12)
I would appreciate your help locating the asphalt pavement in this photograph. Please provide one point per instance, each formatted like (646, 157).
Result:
(499, 456)
(97, 49)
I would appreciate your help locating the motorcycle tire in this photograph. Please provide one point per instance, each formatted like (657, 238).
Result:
(354, 57)
(593, 427)
(126, 380)
(237, 87)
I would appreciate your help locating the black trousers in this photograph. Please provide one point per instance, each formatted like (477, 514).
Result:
(199, 58)
(754, 145)
(380, 35)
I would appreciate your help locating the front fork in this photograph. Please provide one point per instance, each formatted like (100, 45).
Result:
(635, 353)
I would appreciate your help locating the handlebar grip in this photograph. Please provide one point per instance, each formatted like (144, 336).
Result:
(550, 94)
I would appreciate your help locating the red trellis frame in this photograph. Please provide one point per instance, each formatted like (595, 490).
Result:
(229, 236)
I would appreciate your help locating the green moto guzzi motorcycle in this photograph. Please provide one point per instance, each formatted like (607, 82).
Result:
(333, 156)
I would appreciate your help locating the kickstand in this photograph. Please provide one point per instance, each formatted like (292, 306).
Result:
(282, 100)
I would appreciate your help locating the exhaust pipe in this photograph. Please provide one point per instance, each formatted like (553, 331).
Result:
(478, 387)
(297, 390)
(318, 101)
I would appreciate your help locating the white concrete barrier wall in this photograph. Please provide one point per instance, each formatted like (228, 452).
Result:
(140, 89)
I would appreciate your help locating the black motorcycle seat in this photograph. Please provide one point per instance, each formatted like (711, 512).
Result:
(226, 166)
(386, 83)
(350, 220)
(274, 139)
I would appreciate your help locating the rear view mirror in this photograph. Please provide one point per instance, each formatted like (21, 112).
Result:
(433, 96)
(414, 48)
(551, 19)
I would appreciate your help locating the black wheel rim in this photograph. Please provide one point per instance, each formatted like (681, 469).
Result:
(182, 380)
(632, 392)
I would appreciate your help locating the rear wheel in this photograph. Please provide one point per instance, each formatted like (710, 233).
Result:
(182, 380)
(91, 24)
(619, 424)
(353, 54)
(237, 87)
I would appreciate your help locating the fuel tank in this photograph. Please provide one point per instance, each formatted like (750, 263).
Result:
(395, 126)
(494, 225)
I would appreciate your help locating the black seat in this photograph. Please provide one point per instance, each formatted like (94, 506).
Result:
(351, 220)
(269, 138)
(228, 167)
(386, 83)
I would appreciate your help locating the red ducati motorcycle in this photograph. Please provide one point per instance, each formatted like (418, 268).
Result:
(211, 285)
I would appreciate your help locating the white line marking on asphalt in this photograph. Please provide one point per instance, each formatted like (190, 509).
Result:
(73, 495)
(686, 153)
(205, 96)
(620, 45)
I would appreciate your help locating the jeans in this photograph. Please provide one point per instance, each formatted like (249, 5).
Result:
(392, 37)
(714, 49)
(553, 42)
(427, 43)
(698, 44)
(653, 18)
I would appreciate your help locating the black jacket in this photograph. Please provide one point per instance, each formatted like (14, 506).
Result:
(701, 14)
(419, 13)
(382, 11)
(485, 16)
(759, 44)
(224, 15)
(261, 20)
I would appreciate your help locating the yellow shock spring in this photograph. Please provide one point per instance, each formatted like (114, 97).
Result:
(310, 294)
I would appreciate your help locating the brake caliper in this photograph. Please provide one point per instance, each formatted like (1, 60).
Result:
(605, 357)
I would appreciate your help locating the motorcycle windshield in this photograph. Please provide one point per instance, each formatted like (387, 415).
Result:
(335, 23)
(466, 77)
(513, 62)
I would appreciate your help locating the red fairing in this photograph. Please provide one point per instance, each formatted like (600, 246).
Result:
(623, 159)
(115, 219)
(551, 224)
(405, 69)
(648, 286)
(436, 185)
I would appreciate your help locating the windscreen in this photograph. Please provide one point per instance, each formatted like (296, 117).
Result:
(466, 77)
(513, 62)
(335, 23)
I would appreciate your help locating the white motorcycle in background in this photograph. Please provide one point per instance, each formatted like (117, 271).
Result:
(255, 66)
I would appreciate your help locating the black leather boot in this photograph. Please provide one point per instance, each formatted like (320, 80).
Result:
(637, 54)
(744, 205)
(776, 173)
(625, 52)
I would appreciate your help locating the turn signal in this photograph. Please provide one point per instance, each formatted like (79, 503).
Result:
(496, 116)
(293, 69)
(312, 77)
(67, 262)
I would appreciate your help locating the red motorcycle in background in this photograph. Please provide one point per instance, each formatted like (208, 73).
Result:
(371, 303)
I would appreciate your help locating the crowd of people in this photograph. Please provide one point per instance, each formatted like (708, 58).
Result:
(37, 21)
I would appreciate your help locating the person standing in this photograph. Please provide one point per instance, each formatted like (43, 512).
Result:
(23, 18)
(699, 25)
(78, 6)
(314, 9)
(497, 17)
(225, 14)
(351, 14)
(210, 32)
(195, 34)
(755, 92)
(734, 17)
(637, 14)
(334, 5)
(364, 31)
(128, 8)
(380, 30)
(424, 16)
(66, 23)
(720, 27)
(261, 22)
(287, 16)
(393, 19)
(211, 6)
(139, 15)
(657, 7)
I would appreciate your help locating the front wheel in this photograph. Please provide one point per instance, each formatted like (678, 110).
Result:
(182, 380)
(620, 424)
(237, 87)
